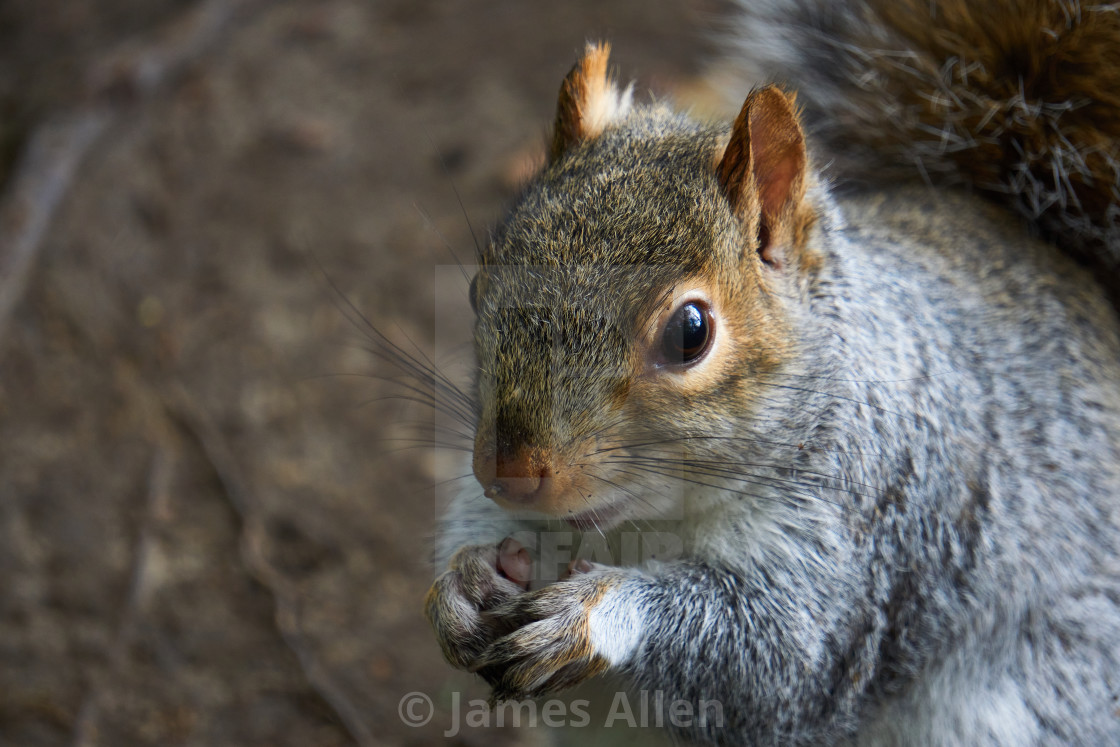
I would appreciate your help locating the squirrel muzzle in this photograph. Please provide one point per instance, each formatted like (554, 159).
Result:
(519, 477)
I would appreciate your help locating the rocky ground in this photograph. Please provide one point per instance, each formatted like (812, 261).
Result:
(212, 530)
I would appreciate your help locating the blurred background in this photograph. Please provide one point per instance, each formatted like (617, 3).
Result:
(209, 530)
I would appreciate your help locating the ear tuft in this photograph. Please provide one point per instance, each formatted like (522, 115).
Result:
(763, 167)
(589, 101)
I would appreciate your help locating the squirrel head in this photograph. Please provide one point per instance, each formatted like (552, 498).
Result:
(630, 296)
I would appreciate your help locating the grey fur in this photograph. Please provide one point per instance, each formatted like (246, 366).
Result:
(923, 547)
(989, 545)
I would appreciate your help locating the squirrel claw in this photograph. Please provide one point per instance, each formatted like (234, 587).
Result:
(541, 658)
(478, 579)
(550, 646)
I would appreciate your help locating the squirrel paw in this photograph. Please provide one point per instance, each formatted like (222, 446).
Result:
(552, 645)
(479, 578)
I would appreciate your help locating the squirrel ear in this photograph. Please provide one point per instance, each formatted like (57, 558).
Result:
(589, 101)
(763, 167)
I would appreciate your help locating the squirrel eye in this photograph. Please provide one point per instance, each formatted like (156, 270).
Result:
(687, 334)
(473, 293)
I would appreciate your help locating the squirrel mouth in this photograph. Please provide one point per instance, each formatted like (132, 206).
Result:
(603, 517)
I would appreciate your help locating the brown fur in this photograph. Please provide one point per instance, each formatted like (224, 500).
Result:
(747, 333)
(756, 177)
(765, 160)
(1018, 98)
(587, 99)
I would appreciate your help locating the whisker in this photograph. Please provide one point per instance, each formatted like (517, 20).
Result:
(734, 439)
(745, 493)
(420, 399)
(443, 239)
(924, 377)
(914, 419)
(421, 368)
(757, 465)
(632, 494)
(594, 514)
(413, 444)
(656, 469)
(460, 408)
(458, 197)
(718, 469)
(448, 481)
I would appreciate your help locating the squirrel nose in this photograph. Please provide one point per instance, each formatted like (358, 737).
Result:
(517, 476)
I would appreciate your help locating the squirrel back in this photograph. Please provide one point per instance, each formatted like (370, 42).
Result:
(1020, 99)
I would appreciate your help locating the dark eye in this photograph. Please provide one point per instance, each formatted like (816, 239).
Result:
(687, 334)
(473, 293)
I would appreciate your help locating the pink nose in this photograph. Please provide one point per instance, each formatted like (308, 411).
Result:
(518, 477)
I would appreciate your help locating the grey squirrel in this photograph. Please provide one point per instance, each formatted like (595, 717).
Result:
(882, 421)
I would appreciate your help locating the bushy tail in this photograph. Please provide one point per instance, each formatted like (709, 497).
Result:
(1019, 98)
